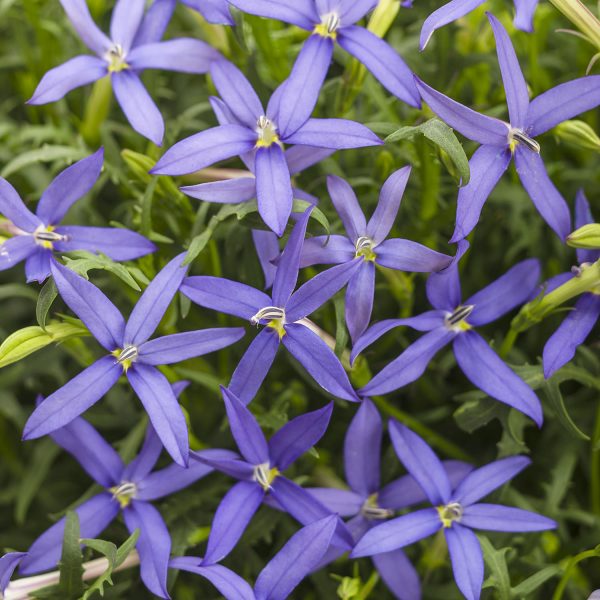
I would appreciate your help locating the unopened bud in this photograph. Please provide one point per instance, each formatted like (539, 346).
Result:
(578, 134)
(587, 237)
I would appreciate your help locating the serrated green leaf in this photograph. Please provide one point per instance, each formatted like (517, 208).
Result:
(82, 262)
(496, 562)
(70, 584)
(24, 342)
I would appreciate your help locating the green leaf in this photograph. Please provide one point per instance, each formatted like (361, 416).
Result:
(70, 584)
(46, 153)
(527, 587)
(81, 262)
(556, 399)
(45, 300)
(442, 136)
(496, 562)
(26, 341)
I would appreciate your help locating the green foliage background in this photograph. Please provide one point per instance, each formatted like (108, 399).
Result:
(38, 482)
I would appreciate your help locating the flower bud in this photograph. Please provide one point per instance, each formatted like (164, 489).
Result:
(578, 134)
(587, 237)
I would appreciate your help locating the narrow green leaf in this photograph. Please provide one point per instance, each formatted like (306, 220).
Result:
(70, 584)
(82, 262)
(496, 562)
(556, 399)
(46, 298)
(47, 153)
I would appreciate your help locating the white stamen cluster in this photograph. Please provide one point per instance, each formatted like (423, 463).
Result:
(268, 313)
(518, 136)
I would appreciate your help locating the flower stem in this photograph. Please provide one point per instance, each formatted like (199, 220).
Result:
(595, 466)
(569, 568)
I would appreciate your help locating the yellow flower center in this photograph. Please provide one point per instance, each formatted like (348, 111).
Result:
(274, 316)
(46, 236)
(264, 475)
(456, 321)
(115, 58)
(267, 133)
(371, 510)
(124, 493)
(450, 513)
(328, 26)
(518, 136)
(364, 247)
(126, 356)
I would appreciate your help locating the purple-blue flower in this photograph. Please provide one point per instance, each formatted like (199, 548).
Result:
(130, 352)
(331, 21)
(578, 324)
(214, 11)
(456, 9)
(281, 574)
(501, 142)
(37, 236)
(456, 510)
(8, 563)
(247, 130)
(259, 469)
(133, 46)
(368, 242)
(453, 321)
(128, 489)
(282, 316)
(368, 503)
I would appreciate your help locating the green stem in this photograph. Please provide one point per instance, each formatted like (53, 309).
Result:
(509, 342)
(573, 561)
(595, 466)
(433, 438)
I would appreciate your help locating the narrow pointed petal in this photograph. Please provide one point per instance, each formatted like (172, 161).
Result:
(301, 12)
(147, 457)
(155, 22)
(153, 545)
(421, 462)
(155, 300)
(98, 458)
(184, 55)
(486, 370)
(583, 216)
(525, 10)
(189, 344)
(316, 291)
(231, 519)
(13, 208)
(116, 243)
(273, 187)
(508, 291)
(562, 103)
(446, 14)
(483, 481)
(493, 517)
(94, 516)
(300, 158)
(16, 249)
(204, 149)
(306, 509)
(304, 84)
(224, 295)
(267, 250)
(345, 503)
(487, 165)
(232, 586)
(359, 299)
(214, 11)
(37, 265)
(69, 186)
(8, 563)
(467, 560)
(319, 360)
(571, 333)
(159, 400)
(515, 87)
(171, 479)
(289, 263)
(254, 365)
(382, 61)
(295, 560)
(355, 10)
(298, 436)
(326, 250)
(473, 125)
(398, 532)
(125, 21)
(73, 398)
(337, 134)
(405, 255)
(347, 206)
(410, 365)
(74, 73)
(245, 430)
(228, 191)
(227, 462)
(399, 574)
(382, 221)
(237, 93)
(79, 15)
(362, 449)
(547, 199)
(139, 108)
(443, 288)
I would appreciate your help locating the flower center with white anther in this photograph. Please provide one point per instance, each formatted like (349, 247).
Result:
(124, 493)
(328, 26)
(271, 316)
(126, 356)
(115, 57)
(267, 133)
(371, 510)
(450, 513)
(364, 248)
(46, 236)
(264, 475)
(456, 321)
(518, 136)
